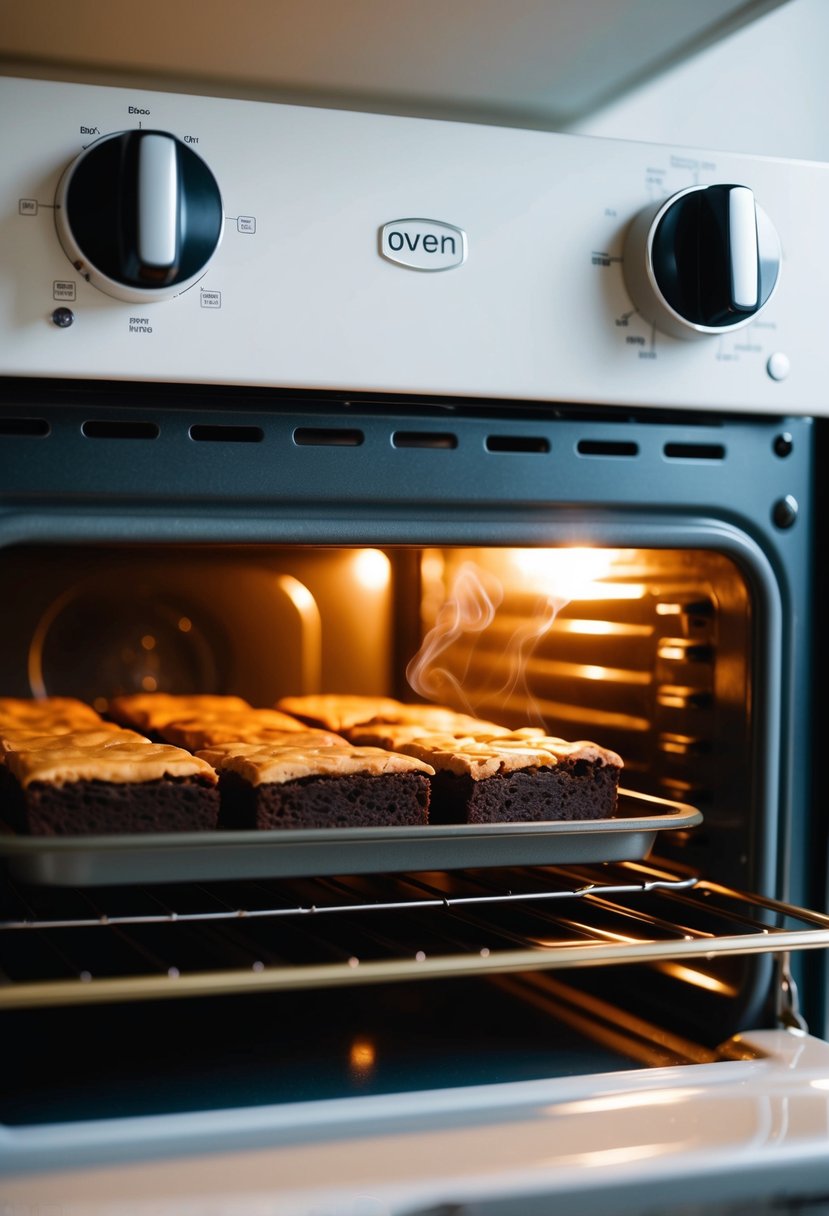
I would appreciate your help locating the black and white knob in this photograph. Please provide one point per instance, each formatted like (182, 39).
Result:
(704, 261)
(140, 215)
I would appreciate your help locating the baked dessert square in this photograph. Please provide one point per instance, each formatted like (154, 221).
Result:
(338, 711)
(391, 735)
(100, 782)
(353, 716)
(522, 776)
(45, 713)
(149, 712)
(280, 785)
(198, 731)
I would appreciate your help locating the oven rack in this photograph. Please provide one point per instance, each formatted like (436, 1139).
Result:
(67, 947)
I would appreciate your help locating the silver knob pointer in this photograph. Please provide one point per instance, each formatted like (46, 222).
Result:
(742, 240)
(158, 202)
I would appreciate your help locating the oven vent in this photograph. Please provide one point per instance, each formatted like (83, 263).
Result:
(111, 429)
(516, 443)
(226, 434)
(424, 439)
(607, 447)
(37, 428)
(694, 451)
(327, 437)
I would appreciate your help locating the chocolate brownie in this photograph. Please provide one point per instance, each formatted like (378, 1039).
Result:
(94, 782)
(150, 712)
(23, 713)
(280, 785)
(517, 777)
(354, 716)
(237, 726)
(338, 711)
(391, 735)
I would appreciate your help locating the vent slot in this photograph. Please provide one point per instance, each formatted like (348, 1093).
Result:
(607, 447)
(694, 451)
(226, 434)
(37, 428)
(424, 439)
(327, 437)
(516, 443)
(120, 430)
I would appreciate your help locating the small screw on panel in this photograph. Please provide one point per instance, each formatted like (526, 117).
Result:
(783, 444)
(784, 511)
(63, 317)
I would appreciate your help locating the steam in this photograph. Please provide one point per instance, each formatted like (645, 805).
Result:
(468, 612)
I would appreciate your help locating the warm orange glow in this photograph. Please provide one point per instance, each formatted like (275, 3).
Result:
(699, 979)
(185, 624)
(148, 642)
(149, 683)
(362, 1057)
(572, 574)
(372, 569)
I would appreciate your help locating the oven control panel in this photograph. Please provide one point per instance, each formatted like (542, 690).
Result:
(168, 237)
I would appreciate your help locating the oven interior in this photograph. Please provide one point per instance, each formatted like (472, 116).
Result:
(628, 579)
(237, 991)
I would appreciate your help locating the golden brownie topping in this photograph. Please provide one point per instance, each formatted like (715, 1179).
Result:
(21, 739)
(267, 763)
(393, 735)
(335, 711)
(118, 756)
(153, 710)
(480, 758)
(243, 725)
(45, 711)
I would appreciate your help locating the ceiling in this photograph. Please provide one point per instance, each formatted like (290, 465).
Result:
(535, 63)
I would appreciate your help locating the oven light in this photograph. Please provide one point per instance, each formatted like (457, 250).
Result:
(573, 574)
(372, 569)
(823, 1083)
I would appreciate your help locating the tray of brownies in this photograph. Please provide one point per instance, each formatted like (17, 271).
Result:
(173, 788)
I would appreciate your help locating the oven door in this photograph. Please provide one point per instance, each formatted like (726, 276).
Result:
(390, 1061)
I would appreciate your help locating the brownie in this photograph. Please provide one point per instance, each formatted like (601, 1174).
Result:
(337, 711)
(392, 735)
(47, 713)
(239, 726)
(102, 782)
(272, 785)
(519, 777)
(354, 716)
(150, 712)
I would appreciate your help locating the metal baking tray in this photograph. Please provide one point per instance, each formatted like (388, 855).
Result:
(95, 861)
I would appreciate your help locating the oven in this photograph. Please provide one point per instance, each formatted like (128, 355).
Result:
(529, 486)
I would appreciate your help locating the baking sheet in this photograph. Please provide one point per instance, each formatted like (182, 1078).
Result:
(94, 861)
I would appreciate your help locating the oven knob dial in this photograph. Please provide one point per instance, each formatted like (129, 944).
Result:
(140, 215)
(705, 261)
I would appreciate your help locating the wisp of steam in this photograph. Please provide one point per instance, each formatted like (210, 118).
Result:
(470, 609)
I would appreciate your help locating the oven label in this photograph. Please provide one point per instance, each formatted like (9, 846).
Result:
(420, 244)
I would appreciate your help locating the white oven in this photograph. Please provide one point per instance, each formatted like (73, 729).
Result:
(275, 380)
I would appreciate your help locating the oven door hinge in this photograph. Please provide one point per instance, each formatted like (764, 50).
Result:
(788, 1002)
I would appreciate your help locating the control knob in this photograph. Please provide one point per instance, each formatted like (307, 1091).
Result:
(704, 261)
(140, 215)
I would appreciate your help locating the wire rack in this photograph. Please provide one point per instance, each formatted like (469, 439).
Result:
(72, 946)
